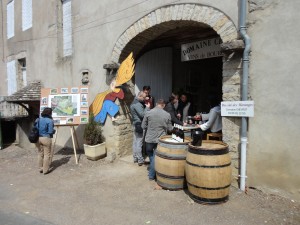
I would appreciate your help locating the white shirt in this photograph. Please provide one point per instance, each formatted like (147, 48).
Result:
(214, 120)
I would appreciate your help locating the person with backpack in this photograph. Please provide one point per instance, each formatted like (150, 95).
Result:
(45, 126)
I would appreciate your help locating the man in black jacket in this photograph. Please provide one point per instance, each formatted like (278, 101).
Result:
(171, 110)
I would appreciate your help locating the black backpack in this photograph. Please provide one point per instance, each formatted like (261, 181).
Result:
(33, 136)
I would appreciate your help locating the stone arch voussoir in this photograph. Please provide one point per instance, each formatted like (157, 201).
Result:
(214, 18)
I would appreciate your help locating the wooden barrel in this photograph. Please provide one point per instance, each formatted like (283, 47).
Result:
(170, 161)
(208, 172)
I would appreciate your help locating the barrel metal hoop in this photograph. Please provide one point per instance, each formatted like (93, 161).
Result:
(206, 188)
(173, 157)
(170, 186)
(208, 200)
(172, 145)
(170, 177)
(204, 166)
(208, 152)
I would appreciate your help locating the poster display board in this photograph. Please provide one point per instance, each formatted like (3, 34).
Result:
(69, 104)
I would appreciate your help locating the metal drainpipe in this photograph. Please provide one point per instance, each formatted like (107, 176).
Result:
(1, 142)
(243, 32)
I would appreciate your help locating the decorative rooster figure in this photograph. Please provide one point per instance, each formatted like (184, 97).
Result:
(103, 103)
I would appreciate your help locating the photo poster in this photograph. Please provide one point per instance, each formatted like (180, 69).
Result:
(69, 104)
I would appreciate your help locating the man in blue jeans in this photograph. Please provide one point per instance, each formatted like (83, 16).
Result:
(157, 122)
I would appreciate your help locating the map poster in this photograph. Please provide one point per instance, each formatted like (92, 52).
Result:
(69, 104)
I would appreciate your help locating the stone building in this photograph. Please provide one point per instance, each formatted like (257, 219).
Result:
(58, 42)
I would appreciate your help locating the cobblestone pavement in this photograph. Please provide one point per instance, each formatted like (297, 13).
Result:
(99, 192)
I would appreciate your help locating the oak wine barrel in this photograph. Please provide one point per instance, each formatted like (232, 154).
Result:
(208, 172)
(170, 162)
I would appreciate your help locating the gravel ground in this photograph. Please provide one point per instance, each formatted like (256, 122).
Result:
(99, 192)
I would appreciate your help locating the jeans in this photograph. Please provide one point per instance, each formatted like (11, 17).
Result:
(137, 147)
(151, 149)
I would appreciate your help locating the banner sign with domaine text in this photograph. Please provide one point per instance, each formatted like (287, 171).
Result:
(237, 108)
(201, 49)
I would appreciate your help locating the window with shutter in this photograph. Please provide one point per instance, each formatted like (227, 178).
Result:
(11, 77)
(26, 14)
(10, 19)
(67, 28)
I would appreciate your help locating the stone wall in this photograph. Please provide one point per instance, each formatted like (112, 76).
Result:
(163, 19)
(232, 72)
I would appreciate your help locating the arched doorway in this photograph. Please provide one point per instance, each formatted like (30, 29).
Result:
(173, 25)
(161, 65)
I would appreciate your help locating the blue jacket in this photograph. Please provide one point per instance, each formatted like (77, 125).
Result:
(45, 125)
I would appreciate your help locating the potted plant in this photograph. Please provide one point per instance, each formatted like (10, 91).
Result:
(94, 146)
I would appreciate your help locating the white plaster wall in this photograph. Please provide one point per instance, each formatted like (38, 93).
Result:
(274, 132)
(97, 25)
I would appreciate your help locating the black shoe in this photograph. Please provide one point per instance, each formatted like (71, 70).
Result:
(140, 164)
(47, 172)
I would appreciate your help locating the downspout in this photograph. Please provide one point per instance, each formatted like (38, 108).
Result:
(1, 142)
(243, 32)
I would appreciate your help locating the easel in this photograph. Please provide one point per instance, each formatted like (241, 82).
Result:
(74, 138)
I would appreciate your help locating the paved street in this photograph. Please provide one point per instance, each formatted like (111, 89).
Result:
(117, 193)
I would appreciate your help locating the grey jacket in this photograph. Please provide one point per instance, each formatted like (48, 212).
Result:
(137, 110)
(157, 122)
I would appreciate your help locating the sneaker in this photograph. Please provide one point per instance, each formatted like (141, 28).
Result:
(141, 163)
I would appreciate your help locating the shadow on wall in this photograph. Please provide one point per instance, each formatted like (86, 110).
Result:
(125, 103)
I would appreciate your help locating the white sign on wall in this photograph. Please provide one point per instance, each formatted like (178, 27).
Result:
(201, 49)
(237, 108)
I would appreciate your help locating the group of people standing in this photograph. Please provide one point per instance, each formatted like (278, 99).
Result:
(150, 123)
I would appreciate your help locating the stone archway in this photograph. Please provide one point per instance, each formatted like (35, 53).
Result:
(160, 21)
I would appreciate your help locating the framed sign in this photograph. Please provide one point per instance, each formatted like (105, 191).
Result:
(69, 104)
(237, 108)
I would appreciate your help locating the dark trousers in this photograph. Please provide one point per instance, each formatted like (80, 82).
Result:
(150, 150)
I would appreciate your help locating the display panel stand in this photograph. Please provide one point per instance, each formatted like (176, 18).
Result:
(74, 140)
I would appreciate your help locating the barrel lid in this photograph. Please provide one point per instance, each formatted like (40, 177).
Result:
(210, 145)
(168, 139)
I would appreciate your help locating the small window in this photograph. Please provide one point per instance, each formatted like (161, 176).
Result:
(10, 19)
(26, 14)
(11, 77)
(67, 28)
(22, 77)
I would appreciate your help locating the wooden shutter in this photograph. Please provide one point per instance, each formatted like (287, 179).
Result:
(26, 14)
(67, 28)
(11, 77)
(154, 68)
(10, 19)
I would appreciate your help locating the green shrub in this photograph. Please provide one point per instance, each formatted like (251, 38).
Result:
(93, 132)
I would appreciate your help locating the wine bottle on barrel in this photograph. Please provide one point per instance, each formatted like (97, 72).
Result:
(174, 132)
(180, 134)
